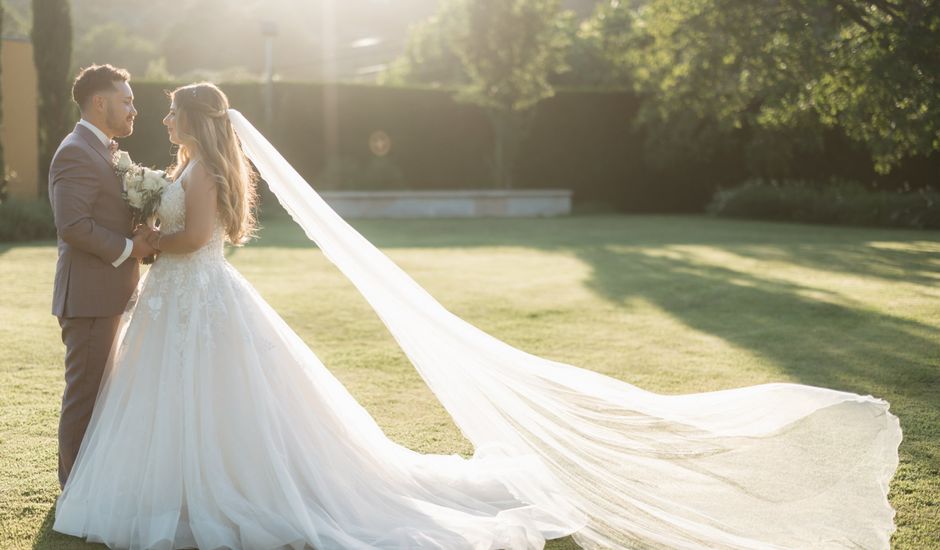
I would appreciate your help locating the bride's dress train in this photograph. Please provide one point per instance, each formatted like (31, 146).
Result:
(217, 426)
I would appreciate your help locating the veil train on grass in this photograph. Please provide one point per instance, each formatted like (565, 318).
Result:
(769, 466)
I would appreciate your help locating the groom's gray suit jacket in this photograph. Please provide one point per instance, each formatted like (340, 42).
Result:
(92, 221)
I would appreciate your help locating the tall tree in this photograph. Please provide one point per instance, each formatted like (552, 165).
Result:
(116, 43)
(509, 50)
(869, 67)
(52, 54)
(501, 55)
(589, 57)
(429, 57)
(3, 167)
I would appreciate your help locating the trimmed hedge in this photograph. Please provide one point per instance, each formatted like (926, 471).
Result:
(26, 220)
(837, 202)
(581, 140)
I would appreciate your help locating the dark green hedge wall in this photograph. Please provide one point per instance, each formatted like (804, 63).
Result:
(581, 140)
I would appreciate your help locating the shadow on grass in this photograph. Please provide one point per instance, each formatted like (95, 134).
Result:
(834, 336)
(851, 250)
(813, 336)
(6, 247)
(920, 265)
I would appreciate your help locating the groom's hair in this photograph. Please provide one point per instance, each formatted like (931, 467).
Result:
(96, 79)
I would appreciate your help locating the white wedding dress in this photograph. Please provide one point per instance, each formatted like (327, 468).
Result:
(217, 427)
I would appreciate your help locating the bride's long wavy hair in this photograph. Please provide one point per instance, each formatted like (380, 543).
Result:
(201, 109)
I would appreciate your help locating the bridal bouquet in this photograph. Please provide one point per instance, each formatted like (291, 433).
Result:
(143, 189)
(143, 186)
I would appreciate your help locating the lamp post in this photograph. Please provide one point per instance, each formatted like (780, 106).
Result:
(269, 30)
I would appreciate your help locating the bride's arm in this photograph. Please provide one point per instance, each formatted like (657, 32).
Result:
(201, 207)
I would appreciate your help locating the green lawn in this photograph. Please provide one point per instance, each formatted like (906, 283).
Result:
(672, 304)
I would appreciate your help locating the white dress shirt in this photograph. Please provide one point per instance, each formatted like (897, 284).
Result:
(106, 141)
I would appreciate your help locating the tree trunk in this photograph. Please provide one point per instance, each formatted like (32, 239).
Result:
(52, 54)
(3, 166)
(505, 144)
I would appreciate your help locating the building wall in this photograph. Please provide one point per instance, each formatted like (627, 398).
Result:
(19, 129)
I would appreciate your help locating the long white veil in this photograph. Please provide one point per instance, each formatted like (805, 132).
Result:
(768, 466)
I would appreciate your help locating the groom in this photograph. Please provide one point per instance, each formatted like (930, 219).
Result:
(99, 253)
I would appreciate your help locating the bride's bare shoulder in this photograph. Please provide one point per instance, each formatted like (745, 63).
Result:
(198, 177)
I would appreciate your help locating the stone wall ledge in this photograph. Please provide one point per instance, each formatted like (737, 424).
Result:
(458, 203)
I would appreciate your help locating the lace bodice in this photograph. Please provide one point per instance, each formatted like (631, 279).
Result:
(172, 216)
(189, 280)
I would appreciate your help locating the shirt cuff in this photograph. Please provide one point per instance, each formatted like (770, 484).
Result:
(124, 255)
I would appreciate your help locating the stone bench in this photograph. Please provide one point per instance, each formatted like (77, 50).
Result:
(464, 203)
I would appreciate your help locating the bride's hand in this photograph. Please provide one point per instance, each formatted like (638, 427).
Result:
(153, 237)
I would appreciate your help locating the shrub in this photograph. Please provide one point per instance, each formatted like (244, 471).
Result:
(836, 202)
(26, 220)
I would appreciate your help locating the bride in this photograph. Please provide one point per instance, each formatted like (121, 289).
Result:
(217, 427)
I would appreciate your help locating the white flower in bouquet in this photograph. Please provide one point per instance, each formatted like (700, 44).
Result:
(123, 161)
(143, 187)
(135, 198)
(153, 180)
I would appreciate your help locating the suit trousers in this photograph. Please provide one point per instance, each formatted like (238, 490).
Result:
(87, 347)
